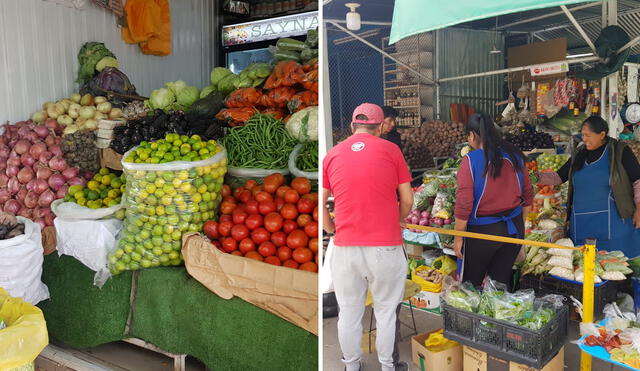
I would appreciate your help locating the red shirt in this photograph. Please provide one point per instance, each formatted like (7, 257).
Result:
(363, 173)
(501, 194)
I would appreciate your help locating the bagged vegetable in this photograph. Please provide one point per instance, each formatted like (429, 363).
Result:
(302, 100)
(285, 73)
(310, 80)
(512, 307)
(617, 267)
(310, 162)
(245, 97)
(463, 296)
(614, 276)
(579, 276)
(561, 261)
(278, 97)
(236, 116)
(492, 289)
(303, 125)
(440, 206)
(562, 273)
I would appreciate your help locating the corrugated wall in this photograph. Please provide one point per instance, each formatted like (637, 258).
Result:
(39, 43)
(462, 52)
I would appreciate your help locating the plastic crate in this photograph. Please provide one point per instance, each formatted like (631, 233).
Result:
(603, 293)
(506, 340)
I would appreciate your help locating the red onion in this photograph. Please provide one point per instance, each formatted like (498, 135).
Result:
(62, 191)
(45, 157)
(32, 137)
(46, 198)
(4, 139)
(25, 212)
(55, 149)
(414, 219)
(70, 172)
(423, 221)
(48, 219)
(14, 161)
(27, 160)
(30, 185)
(42, 131)
(41, 222)
(76, 181)
(13, 185)
(31, 200)
(50, 140)
(40, 186)
(53, 125)
(3, 180)
(57, 163)
(56, 181)
(4, 196)
(22, 193)
(37, 212)
(22, 146)
(43, 173)
(447, 221)
(25, 175)
(88, 175)
(4, 151)
(425, 214)
(12, 171)
(37, 148)
(438, 222)
(12, 207)
(23, 131)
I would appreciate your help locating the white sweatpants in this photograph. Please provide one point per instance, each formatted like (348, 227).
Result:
(381, 269)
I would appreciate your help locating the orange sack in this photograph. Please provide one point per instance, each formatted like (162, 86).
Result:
(236, 116)
(245, 97)
(303, 100)
(149, 25)
(278, 98)
(285, 73)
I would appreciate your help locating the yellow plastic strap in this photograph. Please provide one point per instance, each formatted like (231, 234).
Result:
(25, 335)
(587, 295)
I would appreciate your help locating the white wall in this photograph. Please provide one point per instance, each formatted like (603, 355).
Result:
(40, 40)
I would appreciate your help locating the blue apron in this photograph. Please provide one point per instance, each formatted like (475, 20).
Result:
(476, 160)
(594, 213)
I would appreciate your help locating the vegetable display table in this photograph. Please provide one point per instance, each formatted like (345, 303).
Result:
(168, 308)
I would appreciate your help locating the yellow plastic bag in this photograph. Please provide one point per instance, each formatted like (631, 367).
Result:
(445, 264)
(436, 342)
(25, 335)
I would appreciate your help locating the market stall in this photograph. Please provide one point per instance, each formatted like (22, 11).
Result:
(168, 201)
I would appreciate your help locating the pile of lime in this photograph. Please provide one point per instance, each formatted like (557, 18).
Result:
(550, 161)
(173, 147)
(105, 189)
(163, 204)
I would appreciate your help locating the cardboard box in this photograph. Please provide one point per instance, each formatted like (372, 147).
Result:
(427, 301)
(475, 360)
(110, 159)
(49, 240)
(290, 294)
(447, 360)
(414, 251)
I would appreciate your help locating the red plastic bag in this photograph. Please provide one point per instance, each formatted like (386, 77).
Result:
(278, 98)
(236, 116)
(285, 73)
(245, 97)
(303, 100)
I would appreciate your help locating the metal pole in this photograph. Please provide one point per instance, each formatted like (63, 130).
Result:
(587, 294)
(630, 44)
(514, 69)
(361, 22)
(325, 97)
(579, 28)
(553, 14)
(367, 43)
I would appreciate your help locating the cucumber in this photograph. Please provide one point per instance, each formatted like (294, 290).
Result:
(283, 55)
(309, 54)
(291, 44)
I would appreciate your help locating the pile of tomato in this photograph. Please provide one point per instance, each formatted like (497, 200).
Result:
(270, 222)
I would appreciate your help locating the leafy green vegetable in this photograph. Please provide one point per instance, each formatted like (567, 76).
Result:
(207, 90)
(219, 73)
(161, 98)
(187, 96)
(303, 125)
(88, 57)
(107, 62)
(176, 86)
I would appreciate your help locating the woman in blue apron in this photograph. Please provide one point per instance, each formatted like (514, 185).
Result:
(604, 191)
(493, 197)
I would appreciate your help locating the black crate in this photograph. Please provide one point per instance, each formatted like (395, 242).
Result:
(506, 340)
(603, 293)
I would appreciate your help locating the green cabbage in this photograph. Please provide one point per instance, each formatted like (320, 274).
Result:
(303, 125)
(187, 96)
(207, 90)
(161, 98)
(228, 83)
(217, 74)
(176, 86)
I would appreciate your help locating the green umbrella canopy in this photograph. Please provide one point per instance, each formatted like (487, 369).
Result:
(611, 39)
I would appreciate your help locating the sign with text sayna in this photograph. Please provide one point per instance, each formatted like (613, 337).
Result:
(549, 68)
(269, 29)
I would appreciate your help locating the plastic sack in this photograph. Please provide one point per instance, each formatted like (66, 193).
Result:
(492, 289)
(441, 207)
(562, 273)
(561, 261)
(560, 252)
(617, 267)
(71, 210)
(462, 296)
(21, 260)
(579, 276)
(614, 276)
(72, 236)
(445, 264)
(293, 157)
(163, 201)
(512, 307)
(436, 342)
(25, 335)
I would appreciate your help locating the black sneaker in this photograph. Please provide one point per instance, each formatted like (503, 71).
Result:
(402, 366)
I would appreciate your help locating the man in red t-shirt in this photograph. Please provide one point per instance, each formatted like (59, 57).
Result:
(363, 173)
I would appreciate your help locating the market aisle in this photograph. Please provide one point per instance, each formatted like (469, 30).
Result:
(428, 322)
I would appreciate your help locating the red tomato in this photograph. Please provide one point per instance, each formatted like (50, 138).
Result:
(311, 229)
(281, 191)
(229, 199)
(266, 207)
(210, 229)
(304, 219)
(273, 222)
(289, 211)
(236, 253)
(254, 255)
(284, 253)
(226, 191)
(291, 264)
(263, 196)
(267, 249)
(309, 266)
(245, 196)
(272, 260)
(297, 239)
(239, 232)
(238, 216)
(311, 196)
(302, 185)
(279, 239)
(218, 245)
(305, 206)
(315, 214)
(289, 226)
(302, 255)
(246, 245)
(257, 189)
(251, 207)
(224, 228)
(229, 244)
(249, 184)
(260, 235)
(291, 196)
(227, 207)
(253, 222)
(224, 218)
(279, 203)
(237, 191)
(313, 245)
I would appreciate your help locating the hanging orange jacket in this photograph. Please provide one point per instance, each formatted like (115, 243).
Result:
(148, 24)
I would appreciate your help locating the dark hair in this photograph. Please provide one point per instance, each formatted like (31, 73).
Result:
(369, 127)
(597, 124)
(493, 144)
(389, 111)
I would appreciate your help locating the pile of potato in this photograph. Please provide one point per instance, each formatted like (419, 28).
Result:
(432, 139)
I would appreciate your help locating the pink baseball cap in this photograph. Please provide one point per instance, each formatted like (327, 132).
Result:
(372, 111)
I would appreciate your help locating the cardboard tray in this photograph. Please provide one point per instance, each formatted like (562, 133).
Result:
(110, 159)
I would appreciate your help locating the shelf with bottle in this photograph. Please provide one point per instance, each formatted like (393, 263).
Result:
(402, 99)
(408, 119)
